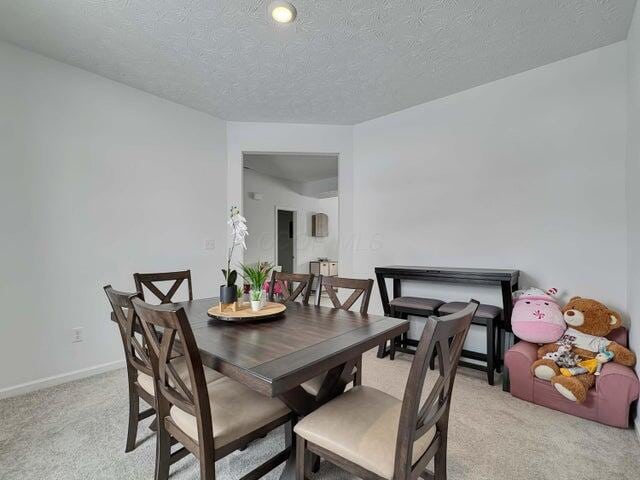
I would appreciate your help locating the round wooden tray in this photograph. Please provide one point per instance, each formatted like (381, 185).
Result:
(245, 314)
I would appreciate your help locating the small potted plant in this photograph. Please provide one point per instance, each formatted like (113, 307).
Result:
(240, 299)
(256, 300)
(256, 275)
(228, 292)
(238, 224)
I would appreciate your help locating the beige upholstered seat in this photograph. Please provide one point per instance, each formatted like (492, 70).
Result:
(361, 426)
(235, 411)
(210, 375)
(313, 386)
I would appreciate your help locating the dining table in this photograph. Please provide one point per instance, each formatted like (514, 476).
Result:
(275, 357)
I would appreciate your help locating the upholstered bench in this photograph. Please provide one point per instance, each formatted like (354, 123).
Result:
(402, 307)
(488, 316)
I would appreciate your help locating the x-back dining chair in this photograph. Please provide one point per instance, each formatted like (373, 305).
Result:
(211, 420)
(361, 288)
(149, 281)
(286, 281)
(376, 436)
(138, 361)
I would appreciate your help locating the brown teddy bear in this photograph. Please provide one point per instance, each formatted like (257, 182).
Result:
(588, 323)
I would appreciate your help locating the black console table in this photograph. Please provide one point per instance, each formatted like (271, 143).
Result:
(507, 280)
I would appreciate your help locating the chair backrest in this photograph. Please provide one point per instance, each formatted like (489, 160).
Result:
(445, 336)
(359, 286)
(149, 281)
(286, 280)
(192, 396)
(135, 350)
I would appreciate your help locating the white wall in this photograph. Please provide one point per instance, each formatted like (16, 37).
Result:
(102, 180)
(295, 138)
(98, 181)
(525, 172)
(260, 215)
(633, 187)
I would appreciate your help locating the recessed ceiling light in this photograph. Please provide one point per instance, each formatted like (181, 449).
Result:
(282, 12)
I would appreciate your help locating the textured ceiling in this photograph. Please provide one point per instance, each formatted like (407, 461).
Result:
(295, 167)
(340, 62)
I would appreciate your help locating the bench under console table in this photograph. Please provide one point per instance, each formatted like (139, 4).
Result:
(505, 279)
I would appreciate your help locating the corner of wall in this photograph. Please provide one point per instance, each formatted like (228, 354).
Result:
(632, 175)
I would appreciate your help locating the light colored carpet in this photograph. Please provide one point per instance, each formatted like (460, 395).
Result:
(77, 431)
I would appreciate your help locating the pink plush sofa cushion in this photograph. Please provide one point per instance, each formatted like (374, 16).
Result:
(608, 402)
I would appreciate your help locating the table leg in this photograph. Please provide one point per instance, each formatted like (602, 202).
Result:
(299, 401)
(500, 347)
(508, 341)
(357, 378)
(335, 382)
(382, 350)
(491, 350)
(397, 288)
(302, 403)
(384, 298)
(384, 294)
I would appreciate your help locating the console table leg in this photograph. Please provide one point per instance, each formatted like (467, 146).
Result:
(508, 342)
(382, 350)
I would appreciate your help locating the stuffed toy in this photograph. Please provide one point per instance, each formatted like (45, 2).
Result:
(603, 357)
(536, 316)
(564, 357)
(588, 323)
(591, 365)
(584, 366)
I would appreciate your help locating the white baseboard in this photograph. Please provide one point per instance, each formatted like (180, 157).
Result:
(59, 379)
(637, 422)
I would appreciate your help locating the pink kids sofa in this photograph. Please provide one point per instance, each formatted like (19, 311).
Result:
(608, 402)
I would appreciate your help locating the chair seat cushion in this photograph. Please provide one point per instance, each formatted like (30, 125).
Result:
(313, 386)
(428, 305)
(146, 382)
(235, 412)
(484, 312)
(361, 426)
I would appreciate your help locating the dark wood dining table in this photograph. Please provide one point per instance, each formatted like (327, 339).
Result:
(275, 357)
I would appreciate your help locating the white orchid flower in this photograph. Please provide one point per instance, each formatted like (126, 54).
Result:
(240, 232)
(239, 225)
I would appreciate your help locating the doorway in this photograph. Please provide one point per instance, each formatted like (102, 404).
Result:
(285, 240)
(283, 196)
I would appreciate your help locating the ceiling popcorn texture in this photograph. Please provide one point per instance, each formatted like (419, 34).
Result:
(340, 62)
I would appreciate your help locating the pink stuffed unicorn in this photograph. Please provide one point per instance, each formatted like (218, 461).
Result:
(536, 316)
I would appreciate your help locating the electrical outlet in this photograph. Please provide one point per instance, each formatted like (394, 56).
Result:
(77, 335)
(210, 244)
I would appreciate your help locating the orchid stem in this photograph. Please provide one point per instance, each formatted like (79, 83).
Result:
(230, 255)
